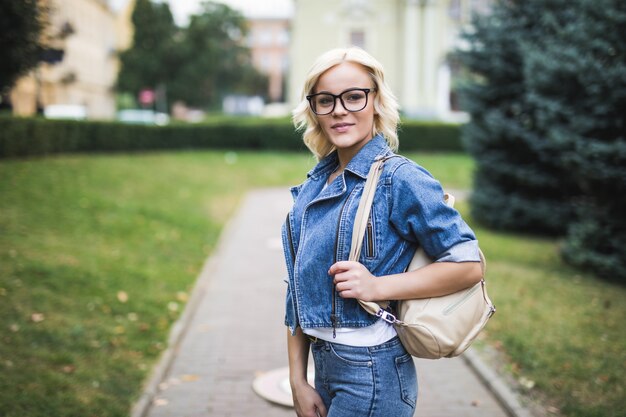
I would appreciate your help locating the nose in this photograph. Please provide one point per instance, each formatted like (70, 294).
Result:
(339, 107)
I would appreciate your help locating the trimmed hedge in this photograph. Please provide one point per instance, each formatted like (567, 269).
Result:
(20, 137)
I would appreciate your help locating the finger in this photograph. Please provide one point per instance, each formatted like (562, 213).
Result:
(342, 286)
(341, 277)
(321, 410)
(341, 266)
(347, 294)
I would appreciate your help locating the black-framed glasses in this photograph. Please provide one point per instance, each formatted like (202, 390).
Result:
(353, 100)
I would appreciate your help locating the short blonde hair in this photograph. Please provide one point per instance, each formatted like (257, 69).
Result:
(386, 116)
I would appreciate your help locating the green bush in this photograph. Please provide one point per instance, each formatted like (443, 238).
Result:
(579, 88)
(20, 137)
(517, 163)
(548, 130)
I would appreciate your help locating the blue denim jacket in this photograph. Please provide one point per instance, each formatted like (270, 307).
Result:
(408, 210)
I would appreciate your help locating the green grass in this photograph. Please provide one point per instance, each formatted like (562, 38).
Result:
(97, 256)
(562, 331)
(99, 253)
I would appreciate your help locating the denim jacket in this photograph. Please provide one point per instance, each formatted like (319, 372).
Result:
(408, 211)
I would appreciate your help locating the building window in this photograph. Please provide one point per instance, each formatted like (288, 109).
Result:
(283, 37)
(357, 38)
(266, 37)
(455, 11)
(266, 63)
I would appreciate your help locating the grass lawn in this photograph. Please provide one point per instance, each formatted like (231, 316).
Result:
(98, 255)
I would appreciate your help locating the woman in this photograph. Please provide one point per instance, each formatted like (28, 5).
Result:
(350, 118)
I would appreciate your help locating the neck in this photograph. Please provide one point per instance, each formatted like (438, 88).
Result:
(345, 155)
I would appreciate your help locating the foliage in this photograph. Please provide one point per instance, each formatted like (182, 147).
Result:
(22, 26)
(152, 60)
(198, 65)
(31, 136)
(214, 61)
(576, 82)
(548, 106)
(519, 183)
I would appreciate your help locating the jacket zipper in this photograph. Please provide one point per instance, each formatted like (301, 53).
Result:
(333, 313)
(370, 238)
(450, 308)
(293, 258)
(291, 249)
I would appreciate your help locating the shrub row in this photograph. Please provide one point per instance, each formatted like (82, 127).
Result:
(20, 137)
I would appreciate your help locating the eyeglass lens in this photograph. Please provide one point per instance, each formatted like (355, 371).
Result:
(351, 100)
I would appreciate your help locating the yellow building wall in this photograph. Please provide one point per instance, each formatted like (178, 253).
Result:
(86, 76)
(411, 38)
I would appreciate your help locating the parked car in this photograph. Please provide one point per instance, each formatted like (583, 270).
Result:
(65, 111)
(141, 116)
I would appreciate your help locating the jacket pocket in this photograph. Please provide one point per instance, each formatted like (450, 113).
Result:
(369, 245)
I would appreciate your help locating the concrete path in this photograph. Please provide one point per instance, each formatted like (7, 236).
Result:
(232, 330)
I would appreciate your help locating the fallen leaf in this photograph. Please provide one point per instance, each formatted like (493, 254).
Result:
(37, 317)
(14, 327)
(68, 369)
(189, 378)
(122, 296)
(527, 383)
(160, 402)
(475, 403)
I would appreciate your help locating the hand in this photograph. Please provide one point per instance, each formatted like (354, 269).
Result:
(307, 402)
(353, 280)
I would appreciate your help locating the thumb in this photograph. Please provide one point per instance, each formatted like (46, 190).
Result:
(321, 410)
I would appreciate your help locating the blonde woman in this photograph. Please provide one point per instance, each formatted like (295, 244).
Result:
(349, 117)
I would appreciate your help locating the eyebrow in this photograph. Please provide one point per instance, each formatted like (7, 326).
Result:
(347, 89)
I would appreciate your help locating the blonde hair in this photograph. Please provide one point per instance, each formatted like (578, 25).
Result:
(386, 115)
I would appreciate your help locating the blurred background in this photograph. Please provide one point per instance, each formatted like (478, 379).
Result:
(130, 131)
(104, 60)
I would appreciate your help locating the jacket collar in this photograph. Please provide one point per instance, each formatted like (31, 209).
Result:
(360, 163)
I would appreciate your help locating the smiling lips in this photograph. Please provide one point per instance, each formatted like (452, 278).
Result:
(341, 127)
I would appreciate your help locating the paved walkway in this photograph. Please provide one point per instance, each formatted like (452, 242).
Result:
(232, 330)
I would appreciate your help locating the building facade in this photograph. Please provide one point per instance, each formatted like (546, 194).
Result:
(411, 38)
(268, 40)
(90, 34)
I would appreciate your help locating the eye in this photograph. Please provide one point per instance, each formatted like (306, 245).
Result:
(324, 100)
(354, 96)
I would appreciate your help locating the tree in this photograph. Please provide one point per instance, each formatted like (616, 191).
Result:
(198, 64)
(214, 61)
(22, 24)
(151, 61)
(518, 183)
(576, 81)
(548, 107)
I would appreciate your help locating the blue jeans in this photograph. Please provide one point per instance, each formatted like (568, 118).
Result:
(377, 381)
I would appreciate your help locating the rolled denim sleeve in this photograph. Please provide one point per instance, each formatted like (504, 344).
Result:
(419, 214)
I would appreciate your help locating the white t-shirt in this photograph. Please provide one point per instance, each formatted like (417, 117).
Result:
(373, 335)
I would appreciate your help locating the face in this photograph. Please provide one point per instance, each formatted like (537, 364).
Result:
(348, 131)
